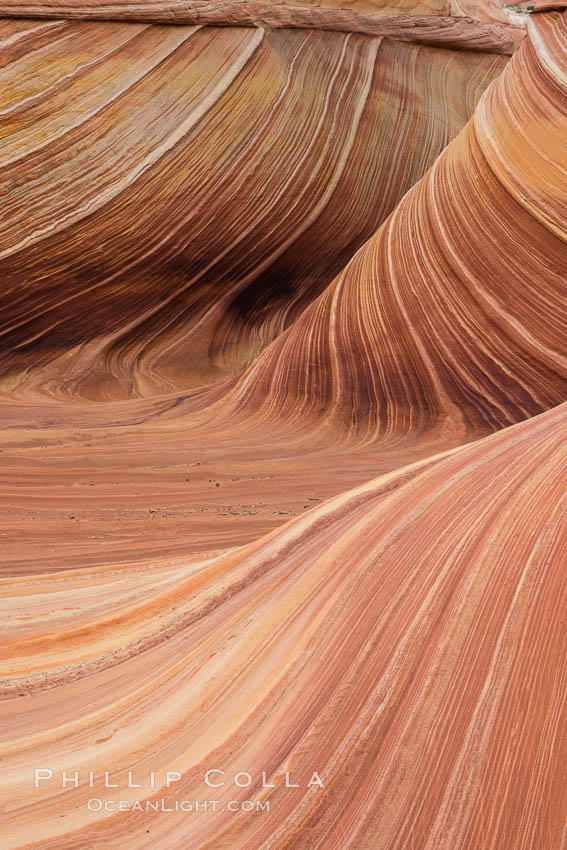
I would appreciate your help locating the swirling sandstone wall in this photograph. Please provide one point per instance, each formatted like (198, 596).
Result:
(284, 466)
(455, 309)
(247, 165)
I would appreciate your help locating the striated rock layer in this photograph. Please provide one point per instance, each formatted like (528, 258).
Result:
(447, 325)
(451, 320)
(178, 195)
(471, 26)
(391, 640)
(404, 638)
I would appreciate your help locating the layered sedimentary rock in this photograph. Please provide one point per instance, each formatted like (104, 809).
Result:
(453, 316)
(390, 641)
(404, 639)
(487, 30)
(178, 195)
(448, 324)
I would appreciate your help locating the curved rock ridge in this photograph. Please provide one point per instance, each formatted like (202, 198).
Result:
(453, 317)
(220, 178)
(174, 10)
(463, 335)
(415, 680)
(340, 572)
(489, 29)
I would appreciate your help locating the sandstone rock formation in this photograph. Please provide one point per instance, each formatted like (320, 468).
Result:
(249, 166)
(478, 26)
(284, 465)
